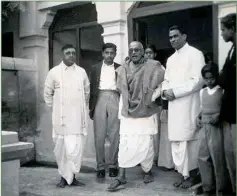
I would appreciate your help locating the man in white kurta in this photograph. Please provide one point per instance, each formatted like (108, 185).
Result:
(181, 87)
(67, 92)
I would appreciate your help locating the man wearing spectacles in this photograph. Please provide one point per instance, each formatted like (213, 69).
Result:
(66, 91)
(137, 80)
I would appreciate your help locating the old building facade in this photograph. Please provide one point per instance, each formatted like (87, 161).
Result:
(41, 28)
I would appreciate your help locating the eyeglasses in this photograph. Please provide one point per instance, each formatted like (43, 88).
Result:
(68, 53)
(134, 50)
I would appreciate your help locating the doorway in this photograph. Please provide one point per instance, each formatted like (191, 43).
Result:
(77, 26)
(154, 29)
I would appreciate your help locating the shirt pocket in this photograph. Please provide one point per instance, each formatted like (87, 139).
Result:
(57, 85)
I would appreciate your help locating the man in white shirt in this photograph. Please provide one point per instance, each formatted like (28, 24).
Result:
(67, 90)
(104, 101)
(181, 88)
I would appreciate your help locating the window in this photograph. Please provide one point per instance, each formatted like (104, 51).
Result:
(7, 44)
(77, 26)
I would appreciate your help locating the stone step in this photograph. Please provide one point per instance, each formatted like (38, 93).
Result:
(9, 137)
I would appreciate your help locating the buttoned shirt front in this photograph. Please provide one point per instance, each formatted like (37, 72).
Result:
(183, 76)
(107, 77)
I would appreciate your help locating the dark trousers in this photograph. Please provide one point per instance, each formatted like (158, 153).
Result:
(106, 123)
(211, 159)
(229, 132)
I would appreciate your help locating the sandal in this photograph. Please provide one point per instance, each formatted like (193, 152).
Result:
(178, 183)
(115, 184)
(187, 183)
(148, 178)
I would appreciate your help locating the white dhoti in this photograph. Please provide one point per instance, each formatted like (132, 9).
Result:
(136, 142)
(185, 156)
(165, 156)
(68, 151)
(135, 149)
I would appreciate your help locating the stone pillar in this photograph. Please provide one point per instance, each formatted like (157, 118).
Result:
(12, 151)
(223, 10)
(113, 18)
(33, 33)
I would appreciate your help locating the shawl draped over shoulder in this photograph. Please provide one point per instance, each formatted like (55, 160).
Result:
(137, 87)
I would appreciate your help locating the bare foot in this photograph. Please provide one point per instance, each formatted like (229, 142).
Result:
(148, 178)
(62, 183)
(75, 182)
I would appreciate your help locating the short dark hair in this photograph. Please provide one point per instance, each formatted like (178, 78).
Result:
(210, 68)
(67, 46)
(229, 21)
(208, 56)
(181, 29)
(152, 47)
(109, 45)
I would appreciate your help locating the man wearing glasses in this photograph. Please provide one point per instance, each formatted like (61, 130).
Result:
(137, 80)
(66, 91)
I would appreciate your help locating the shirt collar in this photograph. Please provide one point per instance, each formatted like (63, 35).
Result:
(213, 89)
(186, 45)
(65, 67)
(112, 65)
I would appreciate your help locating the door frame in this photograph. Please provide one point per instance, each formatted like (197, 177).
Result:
(166, 7)
(77, 28)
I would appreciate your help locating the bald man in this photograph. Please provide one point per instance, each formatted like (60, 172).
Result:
(137, 80)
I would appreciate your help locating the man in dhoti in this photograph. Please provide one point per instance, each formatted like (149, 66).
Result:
(137, 80)
(181, 88)
(67, 91)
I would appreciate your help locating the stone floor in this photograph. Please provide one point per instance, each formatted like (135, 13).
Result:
(40, 181)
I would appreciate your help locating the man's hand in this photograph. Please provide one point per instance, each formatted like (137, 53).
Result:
(156, 94)
(169, 94)
(91, 115)
(199, 121)
(215, 119)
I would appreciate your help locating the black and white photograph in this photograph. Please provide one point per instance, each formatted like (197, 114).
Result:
(118, 98)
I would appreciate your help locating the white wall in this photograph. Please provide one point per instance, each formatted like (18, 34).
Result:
(113, 17)
(224, 9)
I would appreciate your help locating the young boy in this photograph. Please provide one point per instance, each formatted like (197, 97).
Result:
(210, 152)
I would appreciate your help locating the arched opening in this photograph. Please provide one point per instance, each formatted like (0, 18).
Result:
(150, 24)
(77, 26)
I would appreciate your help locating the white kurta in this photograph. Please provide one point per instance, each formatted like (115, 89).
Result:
(183, 76)
(67, 92)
